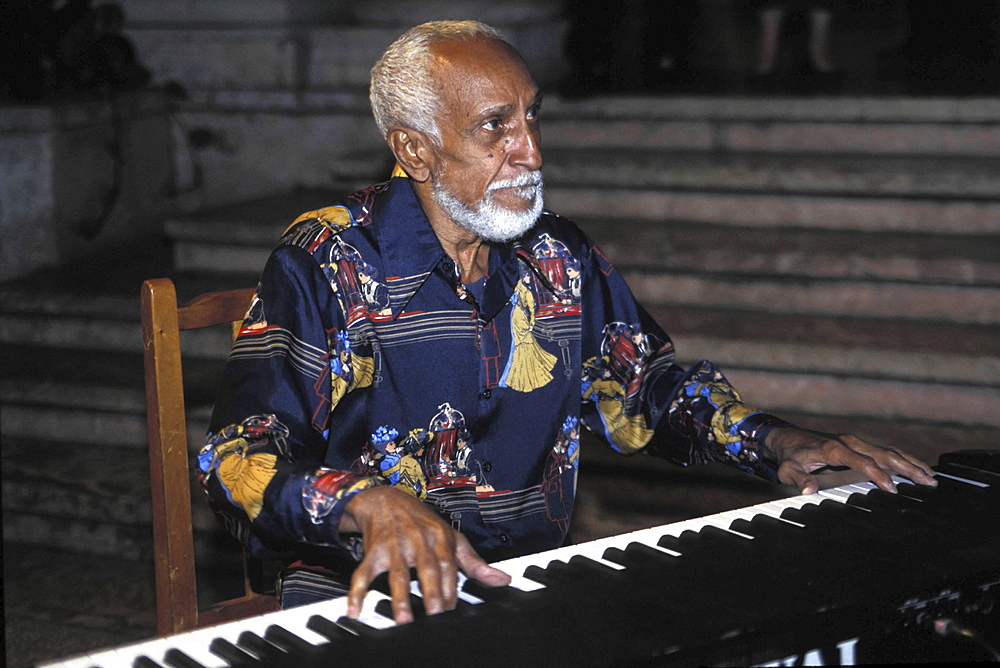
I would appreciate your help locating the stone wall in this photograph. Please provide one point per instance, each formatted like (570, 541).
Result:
(276, 92)
(80, 176)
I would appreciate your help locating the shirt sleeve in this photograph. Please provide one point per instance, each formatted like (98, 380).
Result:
(262, 466)
(637, 399)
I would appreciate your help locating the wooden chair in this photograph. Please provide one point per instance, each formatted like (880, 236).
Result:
(173, 539)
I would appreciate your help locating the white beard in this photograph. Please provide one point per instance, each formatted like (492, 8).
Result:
(487, 219)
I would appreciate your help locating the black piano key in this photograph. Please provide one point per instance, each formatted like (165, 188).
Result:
(829, 515)
(713, 538)
(589, 569)
(286, 640)
(177, 659)
(616, 555)
(232, 654)
(671, 543)
(690, 543)
(381, 582)
(831, 526)
(145, 662)
(901, 508)
(384, 608)
(978, 475)
(509, 595)
(950, 491)
(260, 647)
(328, 629)
(554, 574)
(354, 626)
(762, 525)
(983, 460)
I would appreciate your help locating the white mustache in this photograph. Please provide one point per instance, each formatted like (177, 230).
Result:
(526, 180)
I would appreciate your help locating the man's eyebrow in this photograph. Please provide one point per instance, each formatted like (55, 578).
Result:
(501, 109)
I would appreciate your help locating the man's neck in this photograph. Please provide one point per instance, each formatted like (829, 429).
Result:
(470, 252)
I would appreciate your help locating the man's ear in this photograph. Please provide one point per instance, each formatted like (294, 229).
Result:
(413, 152)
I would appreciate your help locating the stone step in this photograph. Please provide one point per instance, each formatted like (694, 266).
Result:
(87, 498)
(815, 296)
(211, 242)
(855, 212)
(851, 396)
(902, 127)
(762, 111)
(910, 257)
(310, 55)
(95, 322)
(564, 128)
(78, 322)
(922, 337)
(86, 413)
(755, 210)
(840, 175)
(849, 359)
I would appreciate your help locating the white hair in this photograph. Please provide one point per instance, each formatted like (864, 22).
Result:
(401, 90)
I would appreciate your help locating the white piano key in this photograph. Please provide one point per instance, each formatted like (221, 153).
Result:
(595, 552)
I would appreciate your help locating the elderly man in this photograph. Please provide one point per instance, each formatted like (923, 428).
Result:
(480, 370)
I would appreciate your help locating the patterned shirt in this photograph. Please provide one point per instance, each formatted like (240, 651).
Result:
(364, 361)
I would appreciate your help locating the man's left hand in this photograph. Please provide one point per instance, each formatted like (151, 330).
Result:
(801, 452)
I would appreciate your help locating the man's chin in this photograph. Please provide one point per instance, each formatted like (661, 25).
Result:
(501, 234)
(491, 220)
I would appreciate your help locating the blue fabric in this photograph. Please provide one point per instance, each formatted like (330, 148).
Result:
(472, 403)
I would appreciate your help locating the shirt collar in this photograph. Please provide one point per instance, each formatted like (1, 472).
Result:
(411, 251)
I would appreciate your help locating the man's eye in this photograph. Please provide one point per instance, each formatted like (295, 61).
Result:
(492, 124)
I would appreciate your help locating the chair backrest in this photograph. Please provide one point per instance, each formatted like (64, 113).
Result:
(173, 538)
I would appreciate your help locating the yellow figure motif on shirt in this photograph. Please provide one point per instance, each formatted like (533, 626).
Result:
(730, 412)
(334, 218)
(362, 370)
(530, 366)
(246, 474)
(246, 477)
(628, 432)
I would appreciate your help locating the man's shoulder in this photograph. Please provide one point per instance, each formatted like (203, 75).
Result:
(313, 228)
(553, 225)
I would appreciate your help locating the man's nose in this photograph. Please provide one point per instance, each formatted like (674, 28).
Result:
(527, 153)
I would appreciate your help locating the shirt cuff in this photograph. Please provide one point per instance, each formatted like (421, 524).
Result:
(325, 495)
(752, 454)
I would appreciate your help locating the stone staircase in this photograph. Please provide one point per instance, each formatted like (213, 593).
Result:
(840, 259)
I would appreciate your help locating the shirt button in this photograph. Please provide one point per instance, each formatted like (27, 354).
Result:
(503, 538)
(448, 266)
(486, 394)
(487, 466)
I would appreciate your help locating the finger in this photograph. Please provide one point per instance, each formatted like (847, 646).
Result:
(432, 581)
(848, 456)
(449, 579)
(399, 591)
(477, 569)
(360, 581)
(911, 467)
(791, 473)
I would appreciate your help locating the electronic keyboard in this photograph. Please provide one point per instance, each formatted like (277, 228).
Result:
(847, 575)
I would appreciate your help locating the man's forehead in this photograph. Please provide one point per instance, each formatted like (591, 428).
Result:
(466, 63)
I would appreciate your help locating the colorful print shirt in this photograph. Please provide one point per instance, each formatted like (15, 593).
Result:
(363, 360)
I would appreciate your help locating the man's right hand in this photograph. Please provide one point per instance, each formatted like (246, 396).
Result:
(400, 532)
